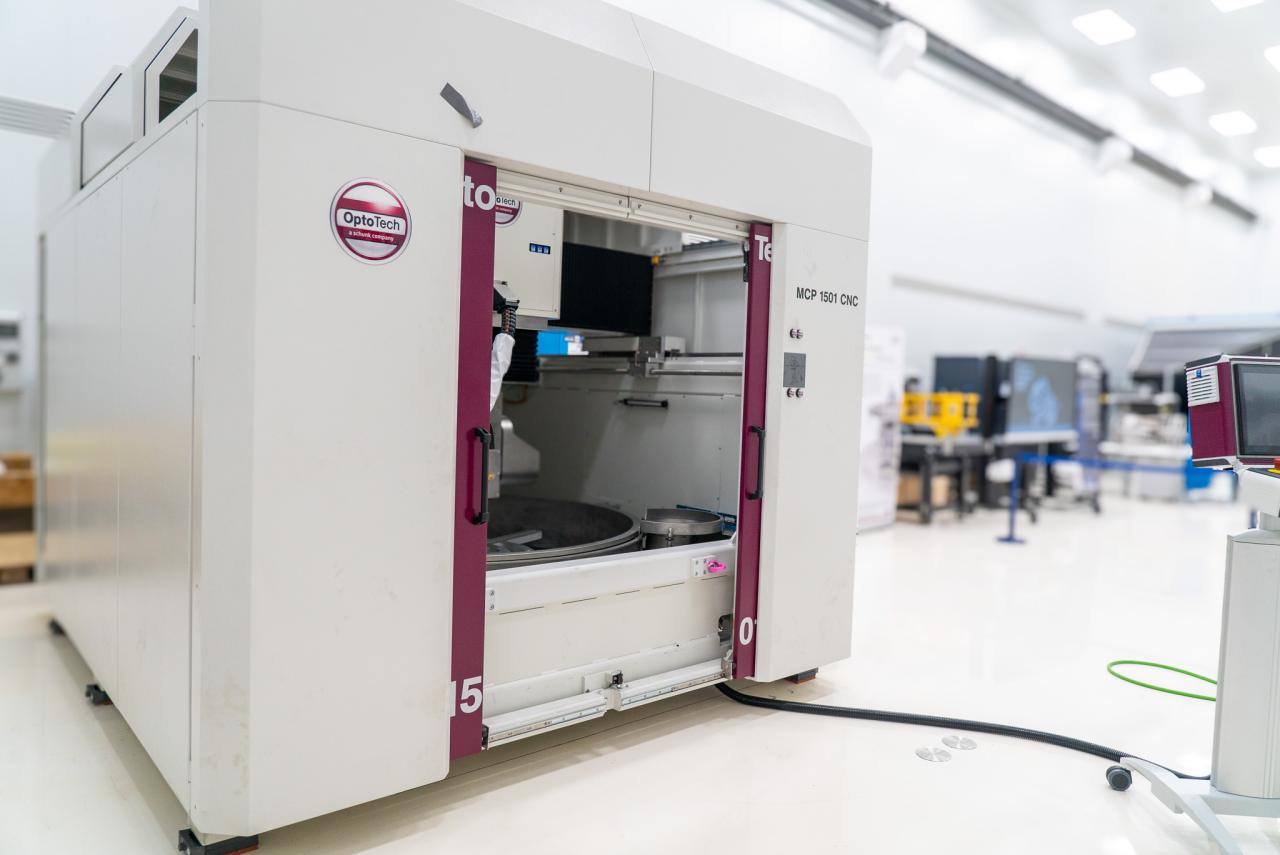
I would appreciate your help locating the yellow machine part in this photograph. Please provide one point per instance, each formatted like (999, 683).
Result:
(944, 413)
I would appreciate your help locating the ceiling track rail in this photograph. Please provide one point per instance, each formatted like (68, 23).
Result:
(880, 16)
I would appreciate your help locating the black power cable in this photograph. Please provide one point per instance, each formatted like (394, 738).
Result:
(1045, 737)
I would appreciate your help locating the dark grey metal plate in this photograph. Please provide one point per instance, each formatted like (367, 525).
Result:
(793, 365)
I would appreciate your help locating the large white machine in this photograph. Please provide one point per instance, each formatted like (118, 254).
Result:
(302, 550)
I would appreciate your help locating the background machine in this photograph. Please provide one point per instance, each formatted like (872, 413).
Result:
(1234, 409)
(314, 533)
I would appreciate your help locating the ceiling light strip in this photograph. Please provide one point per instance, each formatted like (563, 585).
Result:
(31, 118)
(879, 15)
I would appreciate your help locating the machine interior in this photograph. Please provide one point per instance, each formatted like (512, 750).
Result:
(613, 480)
(624, 396)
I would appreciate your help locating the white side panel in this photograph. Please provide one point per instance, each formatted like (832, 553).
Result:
(155, 451)
(528, 255)
(345, 515)
(59, 489)
(683, 57)
(107, 129)
(585, 625)
(729, 133)
(222, 469)
(708, 310)
(93, 624)
(811, 462)
(564, 106)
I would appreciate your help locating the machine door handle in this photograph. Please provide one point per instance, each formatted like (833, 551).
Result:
(486, 443)
(758, 493)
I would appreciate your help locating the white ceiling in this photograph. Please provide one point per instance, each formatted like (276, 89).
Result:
(1034, 40)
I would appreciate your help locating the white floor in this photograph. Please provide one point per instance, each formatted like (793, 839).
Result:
(947, 621)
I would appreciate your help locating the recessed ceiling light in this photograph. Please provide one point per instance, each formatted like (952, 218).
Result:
(1273, 55)
(1232, 5)
(1234, 124)
(1268, 156)
(1176, 82)
(1104, 27)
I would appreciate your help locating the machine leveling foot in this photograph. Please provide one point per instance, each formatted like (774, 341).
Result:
(97, 696)
(804, 676)
(55, 628)
(188, 843)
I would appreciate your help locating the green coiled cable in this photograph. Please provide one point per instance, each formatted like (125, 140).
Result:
(1111, 669)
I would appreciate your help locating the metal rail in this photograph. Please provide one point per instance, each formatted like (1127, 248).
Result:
(880, 16)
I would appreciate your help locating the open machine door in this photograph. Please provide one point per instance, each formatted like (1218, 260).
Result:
(801, 578)
(751, 479)
(474, 438)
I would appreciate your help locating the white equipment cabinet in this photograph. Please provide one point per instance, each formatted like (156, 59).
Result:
(528, 248)
(268, 314)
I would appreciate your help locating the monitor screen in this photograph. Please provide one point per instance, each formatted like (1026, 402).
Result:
(958, 374)
(1258, 409)
(1042, 396)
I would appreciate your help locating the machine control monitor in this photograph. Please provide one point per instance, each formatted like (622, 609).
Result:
(1259, 406)
(1233, 406)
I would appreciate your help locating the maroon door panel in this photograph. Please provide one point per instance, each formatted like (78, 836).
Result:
(750, 482)
(470, 523)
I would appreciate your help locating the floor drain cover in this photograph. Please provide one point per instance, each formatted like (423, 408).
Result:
(960, 743)
(934, 755)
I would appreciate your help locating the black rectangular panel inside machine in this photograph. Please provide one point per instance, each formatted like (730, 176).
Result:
(606, 290)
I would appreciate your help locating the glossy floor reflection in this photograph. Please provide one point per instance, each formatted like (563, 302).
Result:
(948, 621)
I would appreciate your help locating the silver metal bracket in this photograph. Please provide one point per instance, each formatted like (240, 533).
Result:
(457, 101)
(1202, 802)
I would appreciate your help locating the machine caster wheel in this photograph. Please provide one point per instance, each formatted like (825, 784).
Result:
(234, 846)
(1119, 778)
(56, 630)
(96, 696)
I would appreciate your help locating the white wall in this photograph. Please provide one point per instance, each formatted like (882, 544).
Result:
(991, 229)
(19, 154)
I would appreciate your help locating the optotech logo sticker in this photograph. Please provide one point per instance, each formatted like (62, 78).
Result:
(370, 221)
(506, 211)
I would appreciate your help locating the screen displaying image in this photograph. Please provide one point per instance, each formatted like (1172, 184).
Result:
(958, 374)
(1258, 390)
(1042, 396)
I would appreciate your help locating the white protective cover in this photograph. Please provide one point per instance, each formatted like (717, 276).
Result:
(567, 88)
